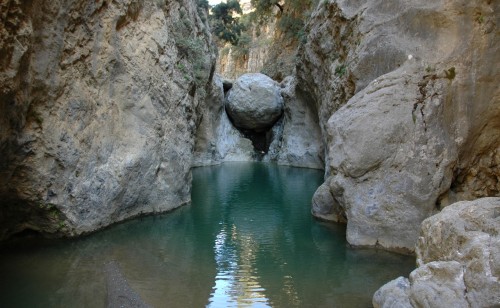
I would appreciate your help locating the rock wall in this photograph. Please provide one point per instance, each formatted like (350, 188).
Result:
(300, 143)
(98, 104)
(409, 109)
(458, 260)
(233, 63)
(265, 47)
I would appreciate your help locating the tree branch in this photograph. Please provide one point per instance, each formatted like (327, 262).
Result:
(280, 7)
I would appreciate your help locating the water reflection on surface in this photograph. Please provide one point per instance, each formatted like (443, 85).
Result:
(247, 240)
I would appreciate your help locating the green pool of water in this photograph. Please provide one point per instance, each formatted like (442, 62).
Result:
(247, 240)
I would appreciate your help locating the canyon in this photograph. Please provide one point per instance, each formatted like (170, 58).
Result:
(105, 107)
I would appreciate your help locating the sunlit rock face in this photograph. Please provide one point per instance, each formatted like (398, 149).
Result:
(98, 110)
(409, 107)
(457, 255)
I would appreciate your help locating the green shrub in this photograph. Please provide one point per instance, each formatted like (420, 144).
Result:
(202, 4)
(243, 47)
(450, 73)
(340, 70)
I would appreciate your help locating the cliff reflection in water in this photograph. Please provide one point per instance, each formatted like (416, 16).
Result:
(248, 239)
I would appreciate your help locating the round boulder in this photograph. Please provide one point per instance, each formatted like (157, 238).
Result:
(254, 102)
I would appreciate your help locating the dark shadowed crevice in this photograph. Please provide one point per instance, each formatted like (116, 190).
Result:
(261, 140)
(20, 218)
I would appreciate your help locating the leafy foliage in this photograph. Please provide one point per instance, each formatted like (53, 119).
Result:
(291, 26)
(265, 7)
(203, 4)
(243, 47)
(340, 70)
(224, 25)
(291, 14)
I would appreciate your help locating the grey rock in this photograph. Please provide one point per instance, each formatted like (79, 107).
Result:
(408, 109)
(294, 140)
(393, 294)
(211, 116)
(438, 284)
(457, 255)
(389, 169)
(231, 144)
(467, 232)
(300, 142)
(217, 140)
(104, 111)
(325, 206)
(254, 102)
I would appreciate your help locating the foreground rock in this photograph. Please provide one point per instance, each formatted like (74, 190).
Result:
(390, 170)
(98, 110)
(254, 102)
(458, 257)
(411, 125)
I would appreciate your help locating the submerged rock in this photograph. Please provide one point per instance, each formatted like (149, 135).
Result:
(120, 294)
(254, 102)
(458, 256)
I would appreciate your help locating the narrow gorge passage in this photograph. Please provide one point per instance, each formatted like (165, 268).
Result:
(247, 239)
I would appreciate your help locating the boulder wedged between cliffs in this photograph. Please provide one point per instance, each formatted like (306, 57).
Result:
(254, 102)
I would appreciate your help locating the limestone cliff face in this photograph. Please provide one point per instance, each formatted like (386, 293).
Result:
(409, 107)
(265, 47)
(234, 62)
(98, 110)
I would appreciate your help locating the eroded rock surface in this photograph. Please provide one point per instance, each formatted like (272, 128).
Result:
(325, 206)
(300, 143)
(98, 104)
(390, 169)
(409, 109)
(457, 255)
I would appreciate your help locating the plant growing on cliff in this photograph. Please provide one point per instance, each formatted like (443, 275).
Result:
(290, 15)
(192, 49)
(450, 73)
(265, 7)
(224, 24)
(202, 4)
(243, 47)
(340, 70)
